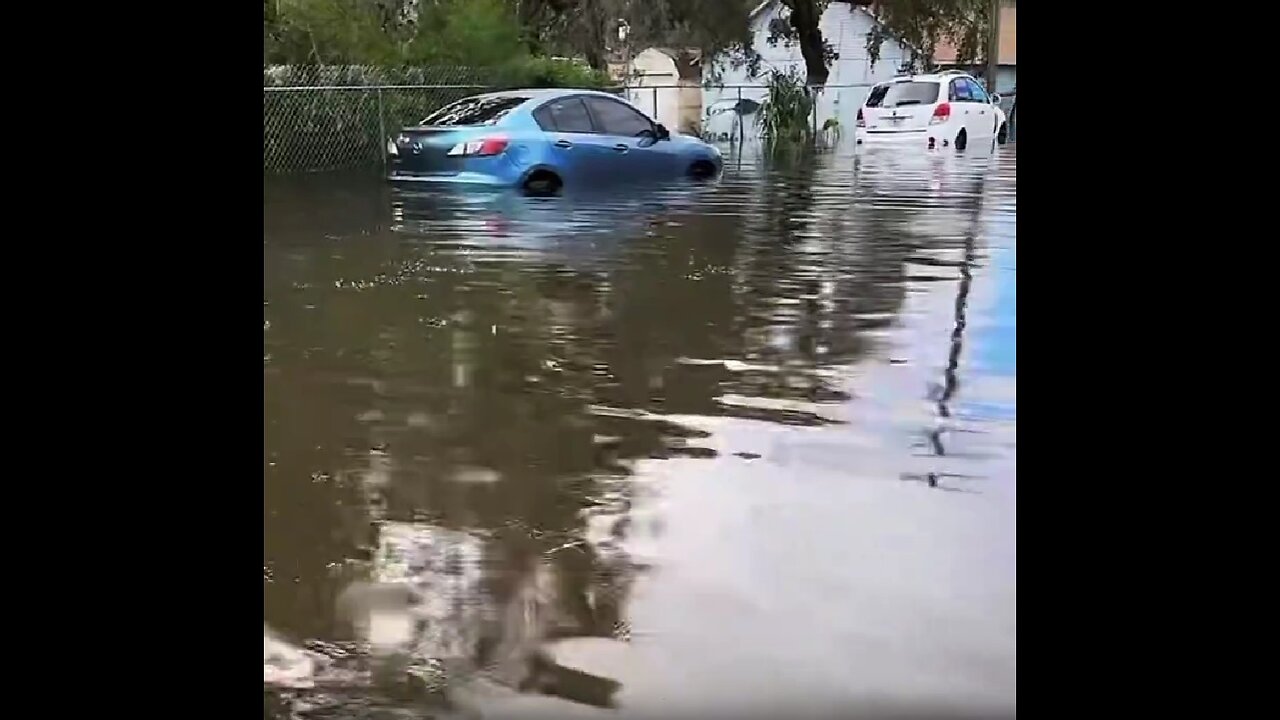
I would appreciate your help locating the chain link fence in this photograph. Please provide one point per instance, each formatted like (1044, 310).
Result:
(333, 118)
(318, 118)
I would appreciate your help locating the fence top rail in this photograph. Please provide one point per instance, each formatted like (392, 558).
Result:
(828, 86)
(307, 88)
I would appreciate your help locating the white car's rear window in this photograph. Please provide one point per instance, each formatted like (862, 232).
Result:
(903, 93)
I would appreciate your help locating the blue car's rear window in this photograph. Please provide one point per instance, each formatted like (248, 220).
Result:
(474, 111)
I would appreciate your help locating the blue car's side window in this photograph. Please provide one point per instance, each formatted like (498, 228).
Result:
(616, 118)
(568, 115)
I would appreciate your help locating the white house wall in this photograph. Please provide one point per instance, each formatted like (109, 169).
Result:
(851, 76)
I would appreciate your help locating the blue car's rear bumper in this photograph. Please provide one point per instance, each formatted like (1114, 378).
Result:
(458, 178)
(495, 171)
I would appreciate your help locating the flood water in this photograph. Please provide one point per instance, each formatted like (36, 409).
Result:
(742, 449)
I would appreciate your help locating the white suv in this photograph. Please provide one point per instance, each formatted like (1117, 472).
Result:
(940, 110)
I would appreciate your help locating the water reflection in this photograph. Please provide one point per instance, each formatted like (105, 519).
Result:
(464, 393)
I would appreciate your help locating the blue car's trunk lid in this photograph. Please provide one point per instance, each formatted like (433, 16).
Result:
(425, 149)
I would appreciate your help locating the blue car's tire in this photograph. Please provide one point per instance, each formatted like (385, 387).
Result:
(543, 182)
(702, 169)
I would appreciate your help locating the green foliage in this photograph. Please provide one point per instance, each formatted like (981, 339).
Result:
(327, 32)
(785, 114)
(489, 33)
(545, 72)
(493, 33)
(478, 33)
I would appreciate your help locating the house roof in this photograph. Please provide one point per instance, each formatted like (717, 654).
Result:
(945, 52)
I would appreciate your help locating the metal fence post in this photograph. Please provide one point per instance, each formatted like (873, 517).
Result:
(813, 96)
(737, 118)
(382, 131)
(655, 103)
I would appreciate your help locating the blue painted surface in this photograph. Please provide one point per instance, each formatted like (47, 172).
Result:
(579, 159)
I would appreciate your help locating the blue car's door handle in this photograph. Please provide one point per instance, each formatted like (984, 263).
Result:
(621, 148)
(564, 144)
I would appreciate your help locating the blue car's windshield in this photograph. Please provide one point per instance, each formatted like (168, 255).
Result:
(474, 111)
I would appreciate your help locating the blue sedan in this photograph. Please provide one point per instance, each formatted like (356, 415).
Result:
(542, 141)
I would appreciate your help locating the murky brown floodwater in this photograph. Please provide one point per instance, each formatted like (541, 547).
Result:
(744, 449)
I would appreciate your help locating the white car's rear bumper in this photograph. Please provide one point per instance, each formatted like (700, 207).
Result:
(935, 137)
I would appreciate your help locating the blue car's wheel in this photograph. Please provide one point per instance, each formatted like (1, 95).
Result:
(702, 169)
(543, 182)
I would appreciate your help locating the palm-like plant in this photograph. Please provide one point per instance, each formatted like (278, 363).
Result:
(784, 116)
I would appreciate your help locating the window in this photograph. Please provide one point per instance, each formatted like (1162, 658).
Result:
(479, 110)
(568, 115)
(960, 90)
(615, 118)
(903, 93)
(977, 92)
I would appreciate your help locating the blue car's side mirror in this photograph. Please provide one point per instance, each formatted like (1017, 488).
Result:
(662, 132)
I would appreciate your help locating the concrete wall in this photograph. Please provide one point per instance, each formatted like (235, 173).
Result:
(653, 87)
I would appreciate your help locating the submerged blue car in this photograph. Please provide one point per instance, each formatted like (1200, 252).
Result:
(542, 141)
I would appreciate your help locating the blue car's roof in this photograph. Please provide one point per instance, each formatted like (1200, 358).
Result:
(539, 93)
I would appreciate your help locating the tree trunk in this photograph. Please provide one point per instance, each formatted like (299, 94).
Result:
(596, 59)
(993, 48)
(593, 46)
(804, 18)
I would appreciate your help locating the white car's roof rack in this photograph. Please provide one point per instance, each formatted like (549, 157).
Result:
(908, 76)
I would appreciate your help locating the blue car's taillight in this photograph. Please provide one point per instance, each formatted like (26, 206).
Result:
(479, 148)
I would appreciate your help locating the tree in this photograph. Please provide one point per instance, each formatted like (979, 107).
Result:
(477, 33)
(801, 26)
(588, 27)
(923, 24)
(573, 27)
(709, 25)
(473, 33)
(919, 24)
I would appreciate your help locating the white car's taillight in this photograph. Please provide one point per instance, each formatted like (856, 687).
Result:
(941, 114)
(862, 122)
(479, 148)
